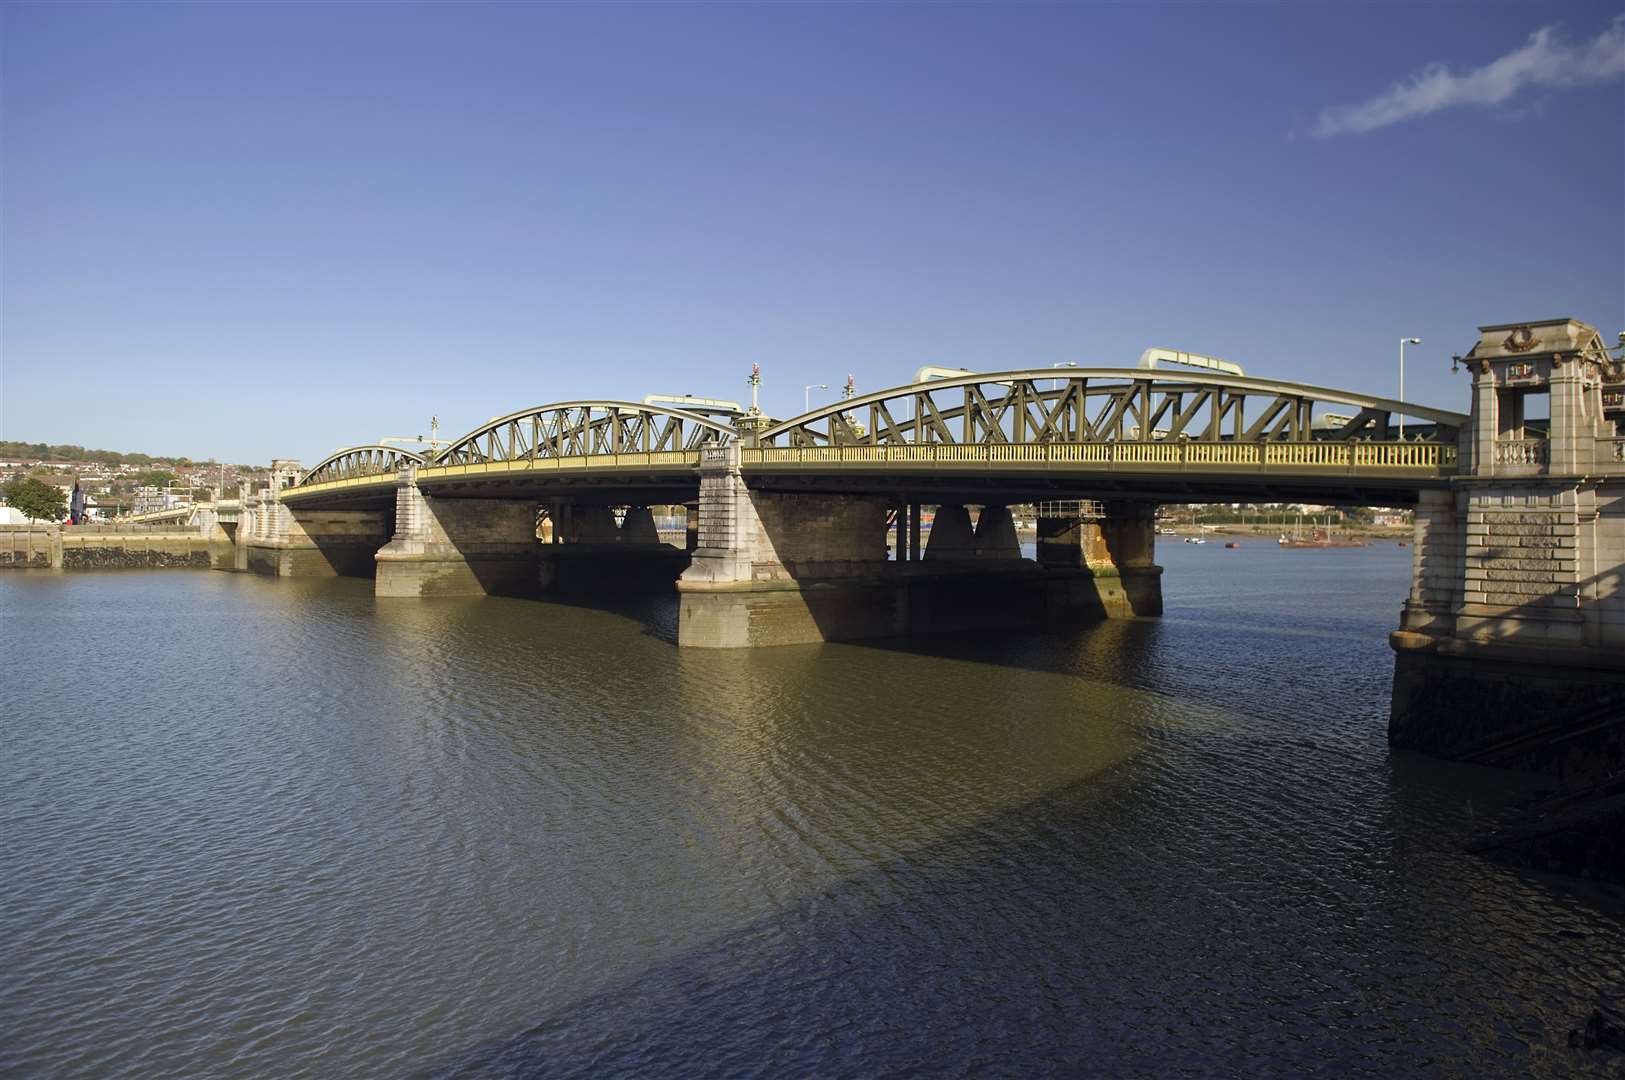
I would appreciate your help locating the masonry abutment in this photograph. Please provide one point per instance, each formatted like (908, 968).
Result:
(1511, 646)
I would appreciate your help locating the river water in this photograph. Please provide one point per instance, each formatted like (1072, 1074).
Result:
(280, 828)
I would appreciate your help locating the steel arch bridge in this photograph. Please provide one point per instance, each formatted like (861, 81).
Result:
(584, 429)
(1031, 422)
(1099, 405)
(358, 462)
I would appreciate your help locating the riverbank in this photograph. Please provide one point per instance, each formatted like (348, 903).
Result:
(102, 547)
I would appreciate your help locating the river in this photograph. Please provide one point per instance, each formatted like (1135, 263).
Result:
(263, 828)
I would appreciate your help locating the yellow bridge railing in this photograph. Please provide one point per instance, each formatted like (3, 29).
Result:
(1417, 459)
(1403, 458)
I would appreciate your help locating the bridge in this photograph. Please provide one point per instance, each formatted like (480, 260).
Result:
(1152, 435)
(204, 516)
(1520, 535)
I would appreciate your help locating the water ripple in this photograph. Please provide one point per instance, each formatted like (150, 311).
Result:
(284, 828)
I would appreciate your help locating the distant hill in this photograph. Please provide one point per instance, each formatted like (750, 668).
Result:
(26, 451)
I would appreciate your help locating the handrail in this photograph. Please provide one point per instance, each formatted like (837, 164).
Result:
(1408, 458)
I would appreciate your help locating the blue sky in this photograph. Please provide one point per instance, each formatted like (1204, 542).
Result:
(247, 231)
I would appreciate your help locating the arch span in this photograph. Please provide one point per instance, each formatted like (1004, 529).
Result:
(357, 461)
(584, 429)
(1099, 405)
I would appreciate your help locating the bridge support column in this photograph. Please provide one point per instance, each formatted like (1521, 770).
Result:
(996, 534)
(793, 568)
(785, 569)
(1511, 647)
(1105, 567)
(316, 543)
(951, 535)
(288, 542)
(638, 527)
(457, 547)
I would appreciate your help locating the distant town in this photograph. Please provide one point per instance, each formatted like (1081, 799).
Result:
(115, 483)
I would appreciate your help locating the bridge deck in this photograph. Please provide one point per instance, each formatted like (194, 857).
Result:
(1371, 465)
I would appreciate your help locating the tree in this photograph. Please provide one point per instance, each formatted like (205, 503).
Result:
(37, 499)
(154, 478)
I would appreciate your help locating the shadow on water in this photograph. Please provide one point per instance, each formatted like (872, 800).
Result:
(1098, 965)
(488, 838)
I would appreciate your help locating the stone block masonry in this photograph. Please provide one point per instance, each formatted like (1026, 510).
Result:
(103, 547)
(458, 547)
(316, 543)
(778, 568)
(1511, 647)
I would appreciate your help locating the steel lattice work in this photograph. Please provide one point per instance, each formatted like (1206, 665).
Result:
(1105, 419)
(1105, 405)
(584, 429)
(359, 461)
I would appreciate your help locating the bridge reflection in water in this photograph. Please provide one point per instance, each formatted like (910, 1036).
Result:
(1520, 535)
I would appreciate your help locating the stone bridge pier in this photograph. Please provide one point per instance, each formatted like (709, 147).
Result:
(283, 541)
(1511, 646)
(784, 567)
(1105, 566)
(457, 546)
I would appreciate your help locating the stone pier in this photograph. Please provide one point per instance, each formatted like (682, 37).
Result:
(316, 543)
(457, 547)
(1103, 567)
(281, 541)
(1511, 647)
(779, 568)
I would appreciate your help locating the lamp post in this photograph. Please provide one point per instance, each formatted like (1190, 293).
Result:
(1404, 341)
(806, 395)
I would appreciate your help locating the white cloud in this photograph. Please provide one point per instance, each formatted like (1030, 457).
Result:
(1543, 60)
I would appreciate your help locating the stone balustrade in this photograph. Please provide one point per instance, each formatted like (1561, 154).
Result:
(1520, 451)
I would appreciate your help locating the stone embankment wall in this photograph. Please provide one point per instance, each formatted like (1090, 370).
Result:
(102, 547)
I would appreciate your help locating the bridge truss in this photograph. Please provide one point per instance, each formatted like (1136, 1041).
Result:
(1103, 405)
(574, 429)
(1030, 421)
(359, 461)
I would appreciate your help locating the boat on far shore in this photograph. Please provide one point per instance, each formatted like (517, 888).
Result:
(1320, 538)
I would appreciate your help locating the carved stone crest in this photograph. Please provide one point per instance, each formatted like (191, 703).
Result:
(1520, 340)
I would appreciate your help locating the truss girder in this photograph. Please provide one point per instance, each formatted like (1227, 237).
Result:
(584, 429)
(359, 461)
(1098, 406)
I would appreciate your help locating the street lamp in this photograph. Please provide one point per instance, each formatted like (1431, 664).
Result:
(806, 395)
(1404, 341)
